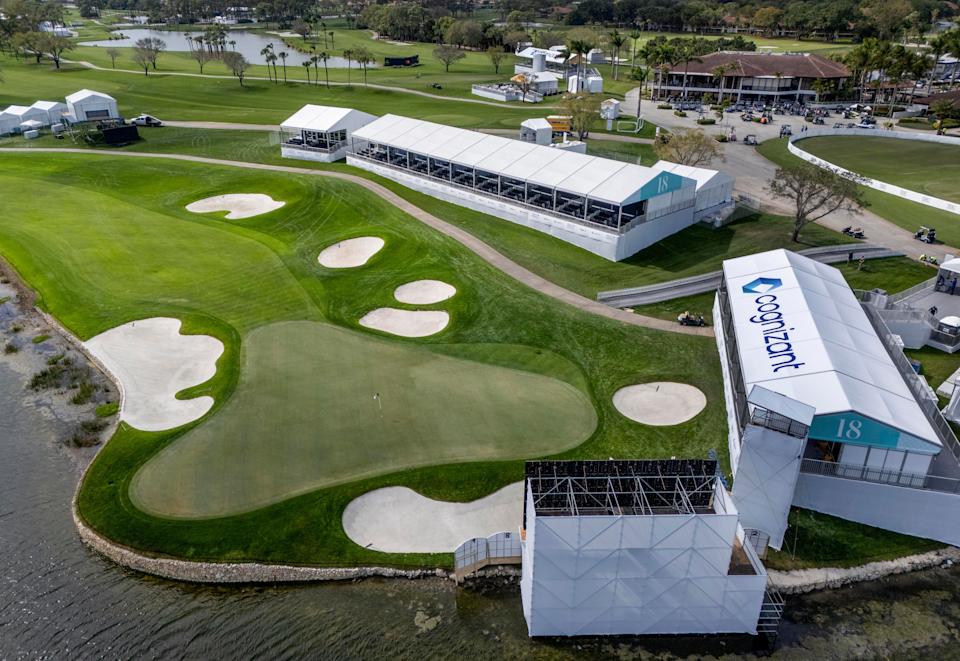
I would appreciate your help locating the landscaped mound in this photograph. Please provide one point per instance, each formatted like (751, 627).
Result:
(239, 205)
(399, 520)
(406, 323)
(320, 405)
(660, 403)
(351, 252)
(424, 292)
(154, 362)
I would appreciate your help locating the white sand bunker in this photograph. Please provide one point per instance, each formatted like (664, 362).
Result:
(399, 520)
(351, 252)
(424, 292)
(154, 362)
(659, 403)
(406, 323)
(240, 205)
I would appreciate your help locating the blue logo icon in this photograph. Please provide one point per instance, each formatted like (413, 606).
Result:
(762, 285)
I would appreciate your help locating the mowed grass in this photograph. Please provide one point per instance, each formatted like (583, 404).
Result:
(924, 167)
(903, 213)
(326, 427)
(81, 248)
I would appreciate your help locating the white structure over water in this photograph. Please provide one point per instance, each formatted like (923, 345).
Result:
(320, 133)
(637, 547)
(825, 411)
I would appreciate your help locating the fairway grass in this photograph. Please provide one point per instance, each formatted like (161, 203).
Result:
(923, 167)
(325, 426)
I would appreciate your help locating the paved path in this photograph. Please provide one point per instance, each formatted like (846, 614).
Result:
(481, 249)
(388, 88)
(753, 172)
(229, 126)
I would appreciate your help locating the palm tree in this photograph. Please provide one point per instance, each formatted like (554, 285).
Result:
(323, 57)
(272, 59)
(635, 35)
(641, 75)
(617, 41)
(938, 46)
(348, 54)
(186, 35)
(331, 39)
(233, 44)
(265, 52)
(687, 54)
(859, 59)
(283, 56)
(953, 43)
(306, 64)
(719, 73)
(323, 31)
(580, 48)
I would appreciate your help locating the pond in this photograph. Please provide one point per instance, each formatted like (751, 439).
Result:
(247, 42)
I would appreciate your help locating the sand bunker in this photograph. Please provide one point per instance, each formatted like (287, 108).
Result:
(399, 520)
(350, 253)
(240, 205)
(660, 403)
(424, 292)
(406, 323)
(154, 362)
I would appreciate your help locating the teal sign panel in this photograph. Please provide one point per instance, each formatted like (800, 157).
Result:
(665, 182)
(849, 427)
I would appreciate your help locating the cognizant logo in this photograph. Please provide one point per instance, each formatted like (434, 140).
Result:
(769, 317)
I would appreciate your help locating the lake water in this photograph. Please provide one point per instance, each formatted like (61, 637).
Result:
(249, 44)
(60, 600)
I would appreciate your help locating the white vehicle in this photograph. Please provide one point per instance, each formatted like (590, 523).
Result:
(146, 120)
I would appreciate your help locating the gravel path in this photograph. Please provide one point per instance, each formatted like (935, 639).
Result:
(481, 249)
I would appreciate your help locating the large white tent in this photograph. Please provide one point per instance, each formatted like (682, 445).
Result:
(53, 111)
(11, 118)
(86, 105)
(714, 188)
(801, 332)
(320, 133)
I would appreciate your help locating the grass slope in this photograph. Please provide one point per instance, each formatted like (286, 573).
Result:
(903, 213)
(924, 167)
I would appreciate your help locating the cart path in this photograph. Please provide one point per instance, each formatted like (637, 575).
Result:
(291, 79)
(469, 241)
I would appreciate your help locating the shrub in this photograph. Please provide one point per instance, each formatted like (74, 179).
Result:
(40, 339)
(679, 113)
(4, 299)
(53, 360)
(706, 121)
(10, 347)
(84, 393)
(16, 328)
(721, 137)
(664, 106)
(47, 378)
(108, 409)
(93, 425)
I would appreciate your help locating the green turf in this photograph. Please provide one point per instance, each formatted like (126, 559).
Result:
(116, 244)
(925, 167)
(904, 213)
(325, 428)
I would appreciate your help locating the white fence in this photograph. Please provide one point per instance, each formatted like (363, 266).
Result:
(907, 194)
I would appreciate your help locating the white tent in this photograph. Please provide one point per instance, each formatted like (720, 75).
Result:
(31, 124)
(950, 266)
(86, 105)
(10, 118)
(54, 110)
(713, 187)
(320, 133)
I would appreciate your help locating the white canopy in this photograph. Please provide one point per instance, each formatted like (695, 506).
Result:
(31, 124)
(601, 179)
(951, 265)
(802, 333)
(82, 95)
(325, 119)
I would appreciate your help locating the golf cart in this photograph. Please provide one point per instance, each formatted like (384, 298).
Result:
(926, 234)
(750, 139)
(785, 130)
(687, 319)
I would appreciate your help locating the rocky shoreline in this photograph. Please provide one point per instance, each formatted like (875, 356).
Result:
(21, 323)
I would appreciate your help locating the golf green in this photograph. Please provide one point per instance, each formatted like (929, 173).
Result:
(924, 167)
(319, 405)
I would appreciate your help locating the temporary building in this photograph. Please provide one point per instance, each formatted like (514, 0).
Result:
(536, 130)
(320, 133)
(54, 111)
(31, 125)
(11, 118)
(87, 105)
(24, 114)
(714, 188)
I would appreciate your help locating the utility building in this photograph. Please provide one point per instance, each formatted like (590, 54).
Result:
(825, 411)
(637, 547)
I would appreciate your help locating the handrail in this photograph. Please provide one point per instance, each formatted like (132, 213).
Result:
(907, 293)
(740, 408)
(880, 476)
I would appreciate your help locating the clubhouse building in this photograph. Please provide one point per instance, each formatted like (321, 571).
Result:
(754, 76)
(825, 412)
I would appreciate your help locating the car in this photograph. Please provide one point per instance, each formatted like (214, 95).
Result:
(146, 120)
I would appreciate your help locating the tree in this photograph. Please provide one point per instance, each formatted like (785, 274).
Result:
(143, 55)
(302, 29)
(635, 35)
(348, 56)
(617, 41)
(323, 57)
(814, 192)
(306, 65)
(202, 56)
(583, 110)
(364, 58)
(283, 58)
(719, 74)
(580, 48)
(691, 147)
(113, 54)
(237, 64)
(448, 55)
(496, 55)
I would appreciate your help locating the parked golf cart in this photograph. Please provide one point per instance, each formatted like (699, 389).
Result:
(687, 319)
(750, 139)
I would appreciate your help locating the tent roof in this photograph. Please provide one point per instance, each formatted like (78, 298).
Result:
(15, 111)
(48, 105)
(839, 363)
(32, 124)
(322, 118)
(602, 179)
(536, 123)
(551, 55)
(80, 95)
(704, 177)
(952, 265)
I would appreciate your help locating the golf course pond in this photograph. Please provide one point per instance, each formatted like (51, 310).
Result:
(61, 599)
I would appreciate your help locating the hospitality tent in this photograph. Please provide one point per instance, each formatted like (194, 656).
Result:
(320, 132)
(713, 187)
(87, 105)
(53, 111)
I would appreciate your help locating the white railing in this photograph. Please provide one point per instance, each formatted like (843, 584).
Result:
(905, 193)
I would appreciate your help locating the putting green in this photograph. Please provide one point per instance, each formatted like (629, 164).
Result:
(305, 417)
(923, 167)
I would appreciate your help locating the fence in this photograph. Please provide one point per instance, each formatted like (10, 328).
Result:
(907, 194)
(880, 476)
